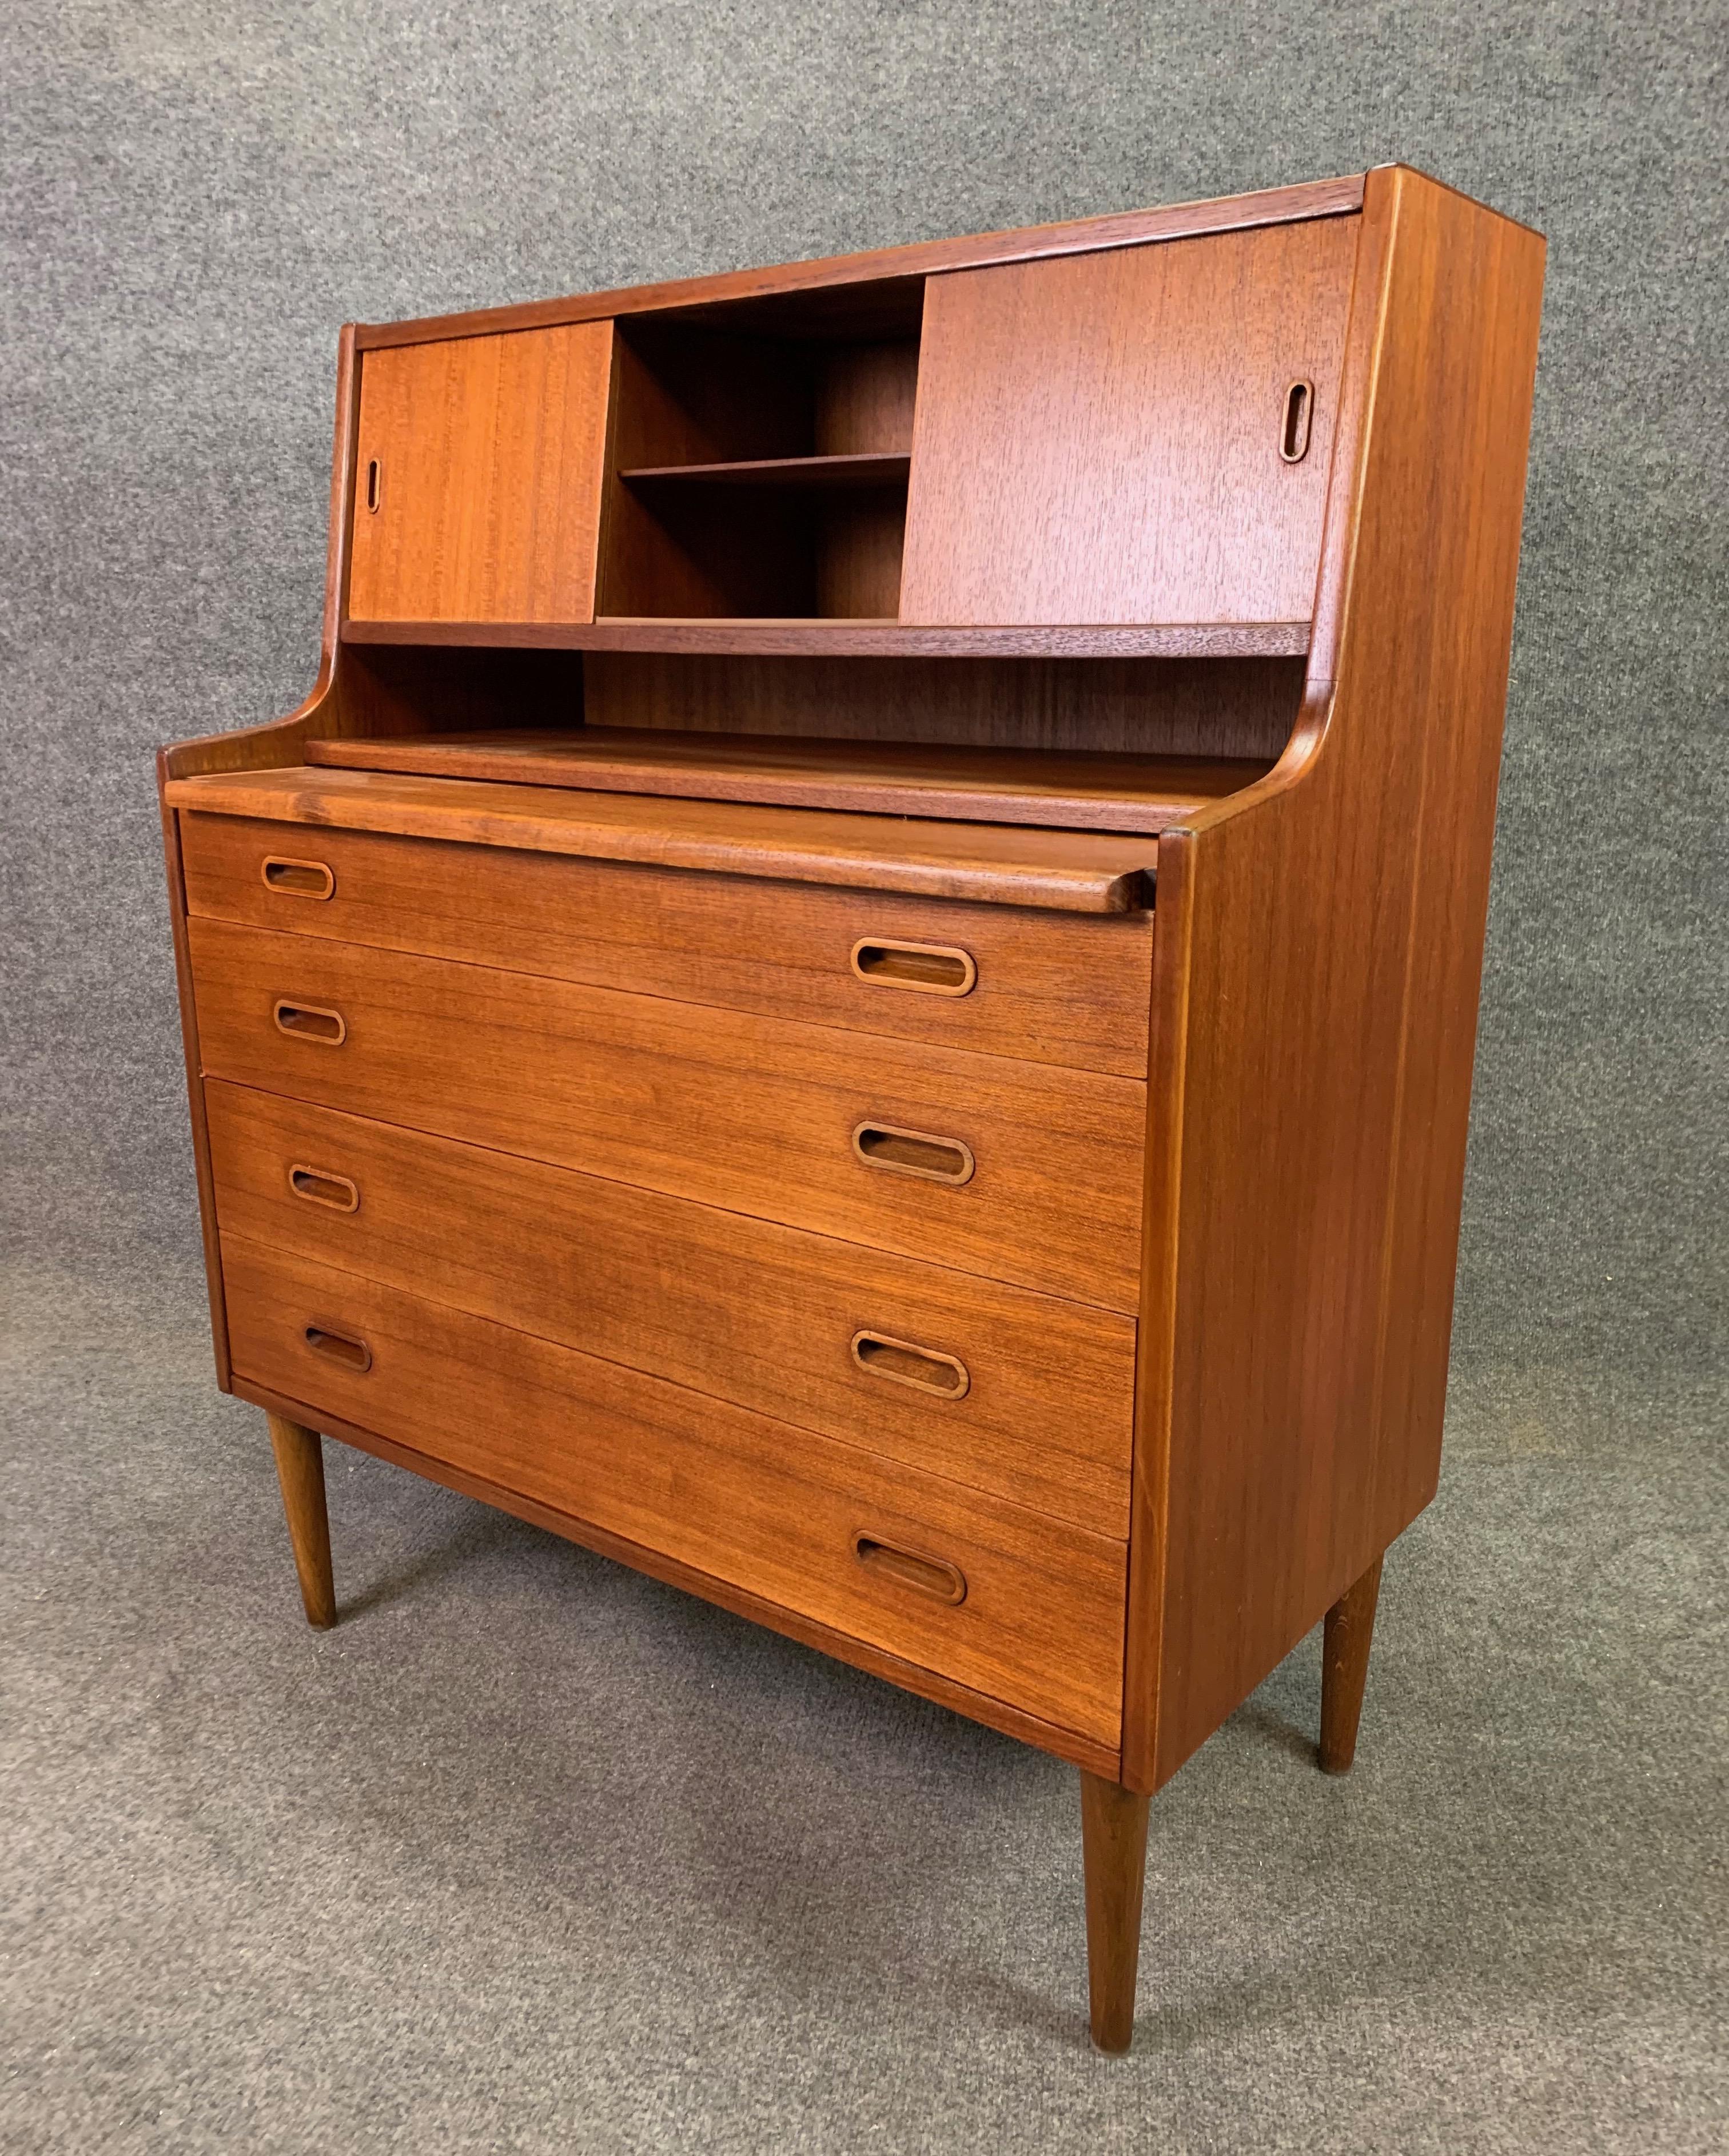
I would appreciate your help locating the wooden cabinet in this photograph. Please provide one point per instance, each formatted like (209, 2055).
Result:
(479, 477)
(907, 1071)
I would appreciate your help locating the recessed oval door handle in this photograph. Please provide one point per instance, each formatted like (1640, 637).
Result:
(308, 1022)
(1299, 416)
(330, 1341)
(925, 1369)
(934, 1576)
(928, 969)
(298, 879)
(914, 1152)
(321, 1186)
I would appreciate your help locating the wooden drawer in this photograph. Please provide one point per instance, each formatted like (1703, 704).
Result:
(758, 1115)
(1048, 986)
(1026, 1395)
(769, 1508)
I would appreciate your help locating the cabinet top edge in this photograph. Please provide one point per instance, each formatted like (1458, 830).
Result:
(1317, 198)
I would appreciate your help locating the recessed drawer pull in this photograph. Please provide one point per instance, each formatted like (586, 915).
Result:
(925, 1369)
(318, 1186)
(340, 1346)
(934, 1576)
(307, 1022)
(913, 1152)
(928, 969)
(298, 879)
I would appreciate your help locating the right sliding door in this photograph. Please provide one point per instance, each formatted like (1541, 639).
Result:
(1138, 435)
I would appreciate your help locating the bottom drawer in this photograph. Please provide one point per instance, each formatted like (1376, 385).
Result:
(1005, 1601)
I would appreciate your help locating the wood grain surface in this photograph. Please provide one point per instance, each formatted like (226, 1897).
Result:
(728, 1492)
(483, 458)
(799, 635)
(1098, 438)
(900, 265)
(299, 1473)
(1050, 987)
(1315, 982)
(759, 1314)
(839, 475)
(1183, 707)
(865, 395)
(1090, 792)
(1113, 1841)
(1071, 871)
(281, 742)
(1348, 1634)
(692, 396)
(394, 688)
(1084, 1752)
(753, 1114)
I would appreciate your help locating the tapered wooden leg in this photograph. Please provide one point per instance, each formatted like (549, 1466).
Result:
(300, 1469)
(1345, 1668)
(1113, 1840)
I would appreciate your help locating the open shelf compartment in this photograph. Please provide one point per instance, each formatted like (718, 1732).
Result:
(753, 476)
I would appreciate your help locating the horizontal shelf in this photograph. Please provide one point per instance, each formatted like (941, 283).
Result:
(1067, 871)
(1069, 790)
(855, 639)
(830, 474)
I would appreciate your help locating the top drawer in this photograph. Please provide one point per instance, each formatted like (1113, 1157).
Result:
(1044, 987)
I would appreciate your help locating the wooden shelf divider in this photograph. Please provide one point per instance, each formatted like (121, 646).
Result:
(855, 637)
(835, 474)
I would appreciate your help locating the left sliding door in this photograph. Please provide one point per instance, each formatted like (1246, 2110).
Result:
(477, 490)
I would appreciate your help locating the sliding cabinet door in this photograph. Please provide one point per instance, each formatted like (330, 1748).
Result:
(477, 494)
(1141, 434)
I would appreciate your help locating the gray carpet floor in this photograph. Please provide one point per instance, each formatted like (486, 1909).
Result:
(531, 1853)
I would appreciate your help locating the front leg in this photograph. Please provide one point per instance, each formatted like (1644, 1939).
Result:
(1345, 1669)
(300, 1469)
(1113, 1839)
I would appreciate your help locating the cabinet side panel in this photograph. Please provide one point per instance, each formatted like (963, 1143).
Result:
(1480, 372)
(1335, 941)
(1098, 439)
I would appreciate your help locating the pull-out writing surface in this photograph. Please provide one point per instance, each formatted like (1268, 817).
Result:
(477, 494)
(1109, 438)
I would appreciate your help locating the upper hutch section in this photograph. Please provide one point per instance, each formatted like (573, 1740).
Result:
(1112, 437)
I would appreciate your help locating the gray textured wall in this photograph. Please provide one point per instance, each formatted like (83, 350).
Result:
(197, 195)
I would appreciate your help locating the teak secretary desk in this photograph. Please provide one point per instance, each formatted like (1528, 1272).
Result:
(857, 984)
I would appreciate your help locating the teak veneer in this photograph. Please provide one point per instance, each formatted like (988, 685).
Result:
(857, 984)
(1094, 790)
